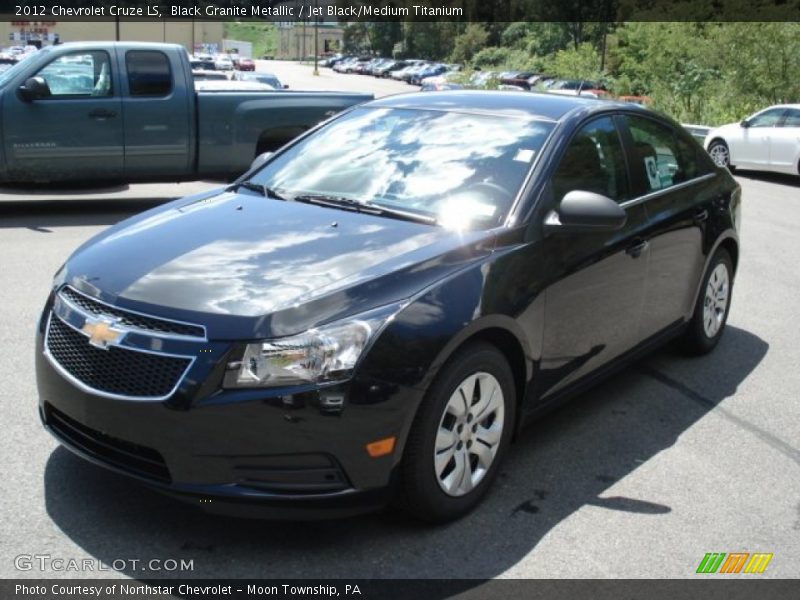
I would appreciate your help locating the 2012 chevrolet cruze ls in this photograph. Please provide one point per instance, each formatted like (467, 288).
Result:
(373, 312)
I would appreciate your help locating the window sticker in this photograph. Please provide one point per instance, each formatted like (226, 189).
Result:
(524, 155)
(652, 172)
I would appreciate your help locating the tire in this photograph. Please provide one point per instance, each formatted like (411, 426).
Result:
(710, 313)
(423, 480)
(721, 154)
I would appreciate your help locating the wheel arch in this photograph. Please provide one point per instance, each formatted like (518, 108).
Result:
(727, 241)
(503, 333)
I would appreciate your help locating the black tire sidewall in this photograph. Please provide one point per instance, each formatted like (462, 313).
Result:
(698, 339)
(422, 494)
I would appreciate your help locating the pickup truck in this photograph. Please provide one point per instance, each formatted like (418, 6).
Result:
(130, 112)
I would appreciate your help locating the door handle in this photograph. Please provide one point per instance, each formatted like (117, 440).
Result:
(102, 113)
(639, 245)
(700, 216)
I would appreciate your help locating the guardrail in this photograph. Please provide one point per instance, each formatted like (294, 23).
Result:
(698, 131)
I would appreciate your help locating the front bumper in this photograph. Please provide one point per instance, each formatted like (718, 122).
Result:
(265, 453)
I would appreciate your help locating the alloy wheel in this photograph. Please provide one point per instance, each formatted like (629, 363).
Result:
(719, 154)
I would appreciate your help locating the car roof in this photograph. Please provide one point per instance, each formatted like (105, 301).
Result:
(530, 104)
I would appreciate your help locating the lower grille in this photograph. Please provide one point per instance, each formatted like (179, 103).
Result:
(135, 459)
(296, 474)
(115, 371)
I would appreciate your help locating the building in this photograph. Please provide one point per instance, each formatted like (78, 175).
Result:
(190, 34)
(296, 40)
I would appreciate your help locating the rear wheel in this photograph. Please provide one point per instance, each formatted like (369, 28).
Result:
(712, 307)
(460, 435)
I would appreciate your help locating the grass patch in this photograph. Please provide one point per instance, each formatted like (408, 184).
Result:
(263, 36)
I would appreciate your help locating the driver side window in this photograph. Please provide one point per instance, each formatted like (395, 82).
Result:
(593, 162)
(79, 75)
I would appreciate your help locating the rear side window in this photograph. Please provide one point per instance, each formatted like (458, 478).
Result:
(792, 118)
(593, 162)
(666, 157)
(148, 73)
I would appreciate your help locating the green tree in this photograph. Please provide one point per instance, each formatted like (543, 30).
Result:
(469, 43)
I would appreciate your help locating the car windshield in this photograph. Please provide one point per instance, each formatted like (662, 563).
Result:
(462, 169)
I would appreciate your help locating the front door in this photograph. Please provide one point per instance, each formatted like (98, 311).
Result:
(594, 301)
(753, 150)
(74, 132)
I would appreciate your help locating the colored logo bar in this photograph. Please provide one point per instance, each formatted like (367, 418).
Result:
(734, 562)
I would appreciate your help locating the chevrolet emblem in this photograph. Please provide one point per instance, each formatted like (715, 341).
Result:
(102, 333)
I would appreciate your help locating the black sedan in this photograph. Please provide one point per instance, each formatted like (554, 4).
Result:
(372, 313)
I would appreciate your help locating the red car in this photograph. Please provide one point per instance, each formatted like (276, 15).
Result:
(246, 64)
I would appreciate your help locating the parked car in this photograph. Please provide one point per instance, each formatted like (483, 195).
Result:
(768, 140)
(223, 62)
(64, 120)
(205, 75)
(386, 69)
(429, 71)
(261, 77)
(246, 64)
(405, 73)
(202, 64)
(374, 310)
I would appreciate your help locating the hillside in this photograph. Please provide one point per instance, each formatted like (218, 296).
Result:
(263, 36)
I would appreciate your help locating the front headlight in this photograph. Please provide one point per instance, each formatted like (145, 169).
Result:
(327, 353)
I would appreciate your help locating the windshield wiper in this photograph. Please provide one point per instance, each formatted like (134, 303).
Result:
(262, 189)
(370, 208)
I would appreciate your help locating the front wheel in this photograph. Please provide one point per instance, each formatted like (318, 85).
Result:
(460, 435)
(720, 154)
(712, 307)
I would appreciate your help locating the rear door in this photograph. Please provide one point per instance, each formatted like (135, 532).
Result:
(594, 301)
(158, 115)
(76, 131)
(674, 180)
(784, 150)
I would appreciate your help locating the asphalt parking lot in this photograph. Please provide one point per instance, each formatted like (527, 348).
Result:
(640, 477)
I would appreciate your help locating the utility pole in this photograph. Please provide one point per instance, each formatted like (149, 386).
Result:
(316, 39)
(116, 25)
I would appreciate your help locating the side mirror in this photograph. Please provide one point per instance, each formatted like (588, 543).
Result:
(581, 211)
(745, 123)
(34, 88)
(286, 86)
(260, 160)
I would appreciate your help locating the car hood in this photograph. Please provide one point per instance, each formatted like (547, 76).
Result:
(247, 266)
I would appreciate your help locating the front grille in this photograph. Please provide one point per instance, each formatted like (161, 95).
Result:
(127, 456)
(116, 371)
(124, 317)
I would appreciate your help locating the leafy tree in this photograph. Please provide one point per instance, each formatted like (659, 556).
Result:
(469, 43)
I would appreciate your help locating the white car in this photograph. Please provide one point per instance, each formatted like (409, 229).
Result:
(769, 140)
(223, 63)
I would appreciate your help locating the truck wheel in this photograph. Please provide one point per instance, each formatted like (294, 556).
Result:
(460, 435)
(712, 307)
